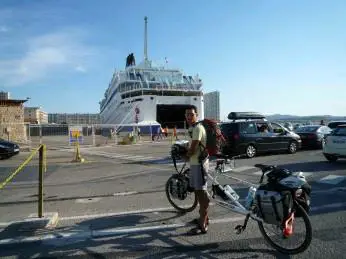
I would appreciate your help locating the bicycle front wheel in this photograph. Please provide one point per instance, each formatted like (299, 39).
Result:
(278, 242)
(190, 198)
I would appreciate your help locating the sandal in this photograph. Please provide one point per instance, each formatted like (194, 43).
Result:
(198, 230)
(196, 221)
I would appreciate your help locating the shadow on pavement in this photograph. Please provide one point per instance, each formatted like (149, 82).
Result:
(169, 242)
(154, 243)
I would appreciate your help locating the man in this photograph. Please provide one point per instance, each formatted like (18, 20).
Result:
(199, 164)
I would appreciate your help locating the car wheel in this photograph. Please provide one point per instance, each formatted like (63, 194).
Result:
(251, 151)
(331, 158)
(292, 147)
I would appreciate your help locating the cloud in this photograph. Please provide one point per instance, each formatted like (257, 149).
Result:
(46, 55)
(4, 28)
(80, 68)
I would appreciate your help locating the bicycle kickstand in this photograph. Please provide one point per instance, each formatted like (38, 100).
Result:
(240, 228)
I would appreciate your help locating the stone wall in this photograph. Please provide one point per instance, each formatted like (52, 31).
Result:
(12, 125)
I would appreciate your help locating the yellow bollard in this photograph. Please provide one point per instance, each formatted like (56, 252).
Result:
(78, 158)
(42, 165)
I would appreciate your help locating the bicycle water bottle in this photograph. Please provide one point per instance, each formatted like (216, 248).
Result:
(229, 190)
(250, 197)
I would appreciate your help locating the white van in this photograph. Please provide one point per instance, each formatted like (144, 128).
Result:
(335, 144)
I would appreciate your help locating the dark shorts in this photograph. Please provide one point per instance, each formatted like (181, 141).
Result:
(196, 177)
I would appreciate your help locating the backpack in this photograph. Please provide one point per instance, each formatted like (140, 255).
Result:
(215, 138)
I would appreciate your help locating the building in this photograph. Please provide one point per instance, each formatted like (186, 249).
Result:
(12, 125)
(4, 95)
(212, 105)
(35, 115)
(74, 118)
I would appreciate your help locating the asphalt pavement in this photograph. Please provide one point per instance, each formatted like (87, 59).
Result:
(114, 205)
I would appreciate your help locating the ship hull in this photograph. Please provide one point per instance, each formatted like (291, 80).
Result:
(148, 109)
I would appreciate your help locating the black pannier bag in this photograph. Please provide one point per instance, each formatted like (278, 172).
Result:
(274, 179)
(273, 206)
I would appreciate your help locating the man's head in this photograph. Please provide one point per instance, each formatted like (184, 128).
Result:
(191, 115)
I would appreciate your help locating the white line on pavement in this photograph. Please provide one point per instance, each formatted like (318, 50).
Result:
(124, 193)
(117, 231)
(116, 213)
(105, 232)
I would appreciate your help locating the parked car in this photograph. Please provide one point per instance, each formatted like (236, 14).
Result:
(335, 144)
(333, 124)
(313, 136)
(289, 126)
(8, 149)
(251, 133)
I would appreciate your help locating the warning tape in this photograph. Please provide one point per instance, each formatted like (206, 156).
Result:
(33, 153)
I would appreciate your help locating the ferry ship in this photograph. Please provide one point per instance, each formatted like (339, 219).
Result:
(145, 94)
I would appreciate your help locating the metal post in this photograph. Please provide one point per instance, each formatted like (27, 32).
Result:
(29, 138)
(151, 133)
(93, 134)
(40, 182)
(69, 137)
(40, 129)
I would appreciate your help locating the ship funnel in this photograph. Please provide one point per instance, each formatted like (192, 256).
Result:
(145, 38)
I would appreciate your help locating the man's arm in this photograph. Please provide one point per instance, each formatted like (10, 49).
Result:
(196, 138)
(192, 149)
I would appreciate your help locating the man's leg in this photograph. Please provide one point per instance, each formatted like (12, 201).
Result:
(200, 187)
(203, 201)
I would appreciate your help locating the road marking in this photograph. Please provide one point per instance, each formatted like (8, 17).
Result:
(258, 173)
(242, 168)
(335, 189)
(306, 174)
(124, 193)
(329, 206)
(117, 231)
(332, 179)
(117, 213)
(88, 200)
(87, 234)
(121, 156)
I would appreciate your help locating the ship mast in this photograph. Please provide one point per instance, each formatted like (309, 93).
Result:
(146, 38)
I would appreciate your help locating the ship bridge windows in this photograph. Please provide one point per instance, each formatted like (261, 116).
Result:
(139, 76)
(132, 76)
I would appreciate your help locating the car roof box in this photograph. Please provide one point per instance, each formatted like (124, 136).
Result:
(245, 116)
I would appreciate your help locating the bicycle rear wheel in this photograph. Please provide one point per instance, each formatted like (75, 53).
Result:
(297, 249)
(190, 196)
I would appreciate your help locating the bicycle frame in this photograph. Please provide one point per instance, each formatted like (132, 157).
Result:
(233, 204)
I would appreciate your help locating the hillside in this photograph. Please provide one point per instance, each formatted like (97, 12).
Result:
(312, 117)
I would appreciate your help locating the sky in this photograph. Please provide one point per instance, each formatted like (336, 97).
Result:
(269, 56)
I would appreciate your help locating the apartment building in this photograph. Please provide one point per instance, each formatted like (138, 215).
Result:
(212, 105)
(35, 115)
(12, 120)
(4, 95)
(74, 118)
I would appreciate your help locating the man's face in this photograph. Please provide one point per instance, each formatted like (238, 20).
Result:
(191, 116)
